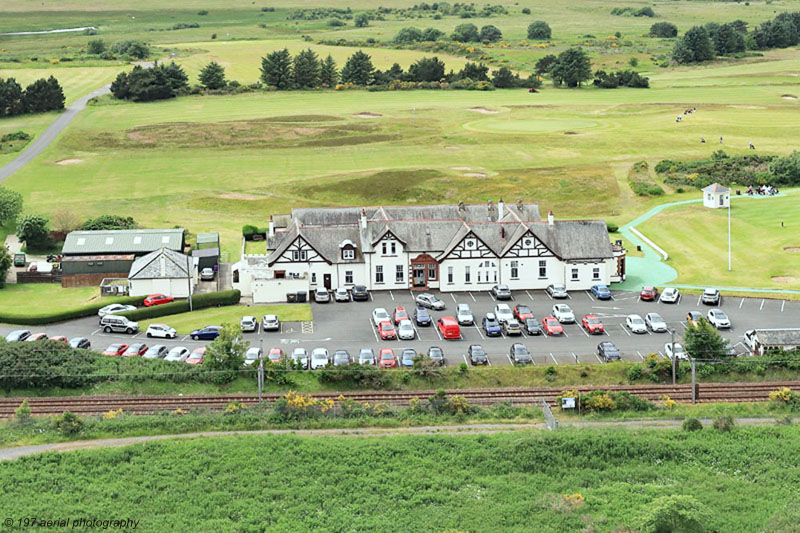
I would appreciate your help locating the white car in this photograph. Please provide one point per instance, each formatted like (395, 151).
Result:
(430, 301)
(678, 352)
(252, 355)
(719, 319)
(322, 296)
(464, 315)
(670, 295)
(207, 274)
(178, 353)
(114, 309)
(379, 314)
(563, 313)
(319, 358)
(405, 330)
(503, 313)
(635, 324)
(300, 356)
(162, 331)
(248, 323)
(341, 295)
(270, 323)
(655, 323)
(366, 357)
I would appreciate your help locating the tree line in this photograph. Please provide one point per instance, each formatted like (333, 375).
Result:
(573, 67)
(146, 84)
(41, 95)
(468, 33)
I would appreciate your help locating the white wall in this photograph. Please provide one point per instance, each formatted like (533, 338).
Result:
(275, 290)
(389, 263)
(177, 288)
(712, 200)
(528, 275)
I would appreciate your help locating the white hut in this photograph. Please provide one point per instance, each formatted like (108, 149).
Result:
(716, 196)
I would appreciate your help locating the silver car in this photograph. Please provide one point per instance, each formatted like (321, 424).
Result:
(430, 301)
(557, 291)
(366, 357)
(341, 358)
(252, 355)
(270, 323)
(341, 295)
(157, 351)
(114, 308)
(405, 330)
(636, 324)
(655, 323)
(503, 313)
(464, 315)
(322, 296)
(178, 353)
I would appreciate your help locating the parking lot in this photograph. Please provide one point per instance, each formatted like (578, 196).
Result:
(349, 326)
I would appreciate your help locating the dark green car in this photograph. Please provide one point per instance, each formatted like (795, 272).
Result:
(19, 260)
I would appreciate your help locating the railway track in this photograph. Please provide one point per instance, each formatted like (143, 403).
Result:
(92, 405)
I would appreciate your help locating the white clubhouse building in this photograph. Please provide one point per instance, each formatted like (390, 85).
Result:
(445, 247)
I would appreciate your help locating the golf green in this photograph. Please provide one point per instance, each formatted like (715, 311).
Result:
(539, 125)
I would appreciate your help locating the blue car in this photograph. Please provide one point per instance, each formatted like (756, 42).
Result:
(207, 333)
(601, 292)
(422, 317)
(407, 357)
(491, 327)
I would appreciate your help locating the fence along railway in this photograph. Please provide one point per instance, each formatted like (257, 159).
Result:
(92, 405)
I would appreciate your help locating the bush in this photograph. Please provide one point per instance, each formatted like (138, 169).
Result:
(183, 25)
(641, 188)
(202, 12)
(131, 48)
(248, 231)
(526, 11)
(663, 29)
(69, 424)
(611, 227)
(109, 222)
(44, 364)
(22, 414)
(336, 23)
(676, 512)
(724, 423)
(15, 136)
(539, 30)
(199, 301)
(635, 372)
(691, 424)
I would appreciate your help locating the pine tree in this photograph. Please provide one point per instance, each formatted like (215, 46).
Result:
(694, 46)
(212, 76)
(572, 67)
(10, 98)
(358, 70)
(276, 69)
(306, 69)
(328, 73)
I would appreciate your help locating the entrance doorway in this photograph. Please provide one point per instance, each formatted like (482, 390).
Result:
(424, 269)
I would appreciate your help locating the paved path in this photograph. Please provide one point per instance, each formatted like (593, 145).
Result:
(7, 454)
(50, 134)
(14, 245)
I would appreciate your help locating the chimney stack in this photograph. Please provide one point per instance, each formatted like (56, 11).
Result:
(491, 211)
(271, 227)
(500, 206)
(550, 219)
(363, 219)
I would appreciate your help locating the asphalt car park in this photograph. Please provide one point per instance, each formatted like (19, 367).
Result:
(348, 326)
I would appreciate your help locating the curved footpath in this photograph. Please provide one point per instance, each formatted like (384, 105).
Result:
(7, 454)
(652, 270)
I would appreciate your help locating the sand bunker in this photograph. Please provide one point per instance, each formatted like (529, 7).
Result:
(484, 110)
(784, 279)
(476, 175)
(367, 114)
(573, 133)
(69, 161)
(461, 168)
(788, 97)
(452, 148)
(791, 249)
(748, 107)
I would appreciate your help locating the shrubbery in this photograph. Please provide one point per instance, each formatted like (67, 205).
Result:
(743, 170)
(646, 11)
(148, 84)
(109, 222)
(44, 364)
(607, 401)
(40, 96)
(133, 49)
(621, 78)
(199, 301)
(664, 29)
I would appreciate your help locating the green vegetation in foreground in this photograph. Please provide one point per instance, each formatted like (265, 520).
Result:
(757, 234)
(614, 478)
(185, 323)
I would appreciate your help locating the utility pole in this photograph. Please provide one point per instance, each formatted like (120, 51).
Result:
(260, 370)
(694, 384)
(729, 234)
(672, 350)
(189, 280)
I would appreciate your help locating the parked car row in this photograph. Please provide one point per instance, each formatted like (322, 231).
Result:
(157, 351)
(25, 335)
(358, 293)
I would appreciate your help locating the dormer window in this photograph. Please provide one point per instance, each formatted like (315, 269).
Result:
(348, 254)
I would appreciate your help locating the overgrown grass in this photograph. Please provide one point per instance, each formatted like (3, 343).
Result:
(185, 323)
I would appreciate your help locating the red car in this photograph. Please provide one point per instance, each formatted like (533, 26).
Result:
(196, 357)
(59, 338)
(522, 313)
(157, 299)
(135, 349)
(649, 294)
(37, 337)
(552, 326)
(387, 331)
(115, 349)
(399, 314)
(386, 358)
(275, 355)
(448, 327)
(592, 324)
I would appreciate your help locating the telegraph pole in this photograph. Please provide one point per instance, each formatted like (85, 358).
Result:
(674, 359)
(729, 234)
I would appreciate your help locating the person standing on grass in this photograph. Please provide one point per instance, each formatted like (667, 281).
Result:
(752, 146)
(720, 139)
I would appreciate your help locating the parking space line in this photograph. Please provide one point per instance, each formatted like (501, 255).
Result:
(548, 295)
(453, 296)
(371, 299)
(436, 329)
(598, 358)
(95, 332)
(529, 295)
(392, 295)
(589, 295)
(569, 297)
(492, 296)
(628, 333)
(639, 299)
(740, 303)
(565, 331)
(640, 354)
(488, 361)
(660, 354)
(465, 358)
(583, 330)
(184, 338)
(374, 333)
(471, 296)
(576, 357)
(554, 358)
(782, 304)
(479, 331)
(509, 360)
(761, 306)
(698, 300)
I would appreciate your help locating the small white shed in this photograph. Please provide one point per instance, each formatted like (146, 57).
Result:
(163, 271)
(716, 196)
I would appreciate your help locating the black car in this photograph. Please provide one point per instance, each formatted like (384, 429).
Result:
(360, 293)
(608, 351)
(422, 317)
(437, 355)
(477, 355)
(520, 354)
(532, 326)
(80, 342)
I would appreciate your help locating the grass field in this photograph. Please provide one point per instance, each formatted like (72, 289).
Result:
(744, 481)
(185, 323)
(34, 298)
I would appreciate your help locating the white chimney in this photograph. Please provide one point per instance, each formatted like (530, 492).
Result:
(363, 219)
(500, 206)
(550, 218)
(271, 227)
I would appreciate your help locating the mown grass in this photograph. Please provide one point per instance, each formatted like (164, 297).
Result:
(745, 480)
(185, 323)
(33, 298)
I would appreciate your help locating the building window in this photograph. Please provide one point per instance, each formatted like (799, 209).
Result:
(450, 275)
(348, 277)
(596, 273)
(514, 269)
(299, 255)
(384, 248)
(394, 249)
(542, 268)
(280, 274)
(721, 200)
(348, 253)
(466, 275)
(378, 273)
(313, 277)
(398, 275)
(574, 274)
(431, 272)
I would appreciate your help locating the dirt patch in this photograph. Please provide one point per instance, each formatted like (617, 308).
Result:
(784, 279)
(484, 110)
(302, 118)
(367, 114)
(240, 196)
(788, 97)
(791, 249)
(461, 168)
(748, 107)
(389, 186)
(69, 161)
(573, 133)
(452, 148)
(476, 175)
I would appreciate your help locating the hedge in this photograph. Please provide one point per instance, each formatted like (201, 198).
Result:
(199, 301)
(37, 319)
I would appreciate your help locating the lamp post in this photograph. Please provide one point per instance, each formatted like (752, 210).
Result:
(729, 233)
(260, 368)
(672, 351)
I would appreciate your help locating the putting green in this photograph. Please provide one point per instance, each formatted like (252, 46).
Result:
(539, 125)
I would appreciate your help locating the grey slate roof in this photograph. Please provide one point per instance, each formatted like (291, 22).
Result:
(716, 187)
(575, 239)
(779, 337)
(326, 241)
(135, 241)
(161, 264)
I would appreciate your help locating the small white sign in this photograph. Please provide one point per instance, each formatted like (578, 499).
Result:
(568, 403)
